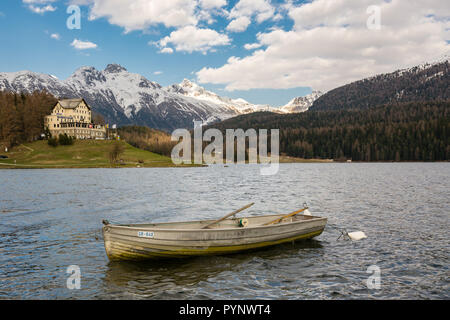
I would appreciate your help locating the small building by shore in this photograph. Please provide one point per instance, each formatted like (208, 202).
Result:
(74, 118)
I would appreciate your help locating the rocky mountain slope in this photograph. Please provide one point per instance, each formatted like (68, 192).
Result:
(301, 104)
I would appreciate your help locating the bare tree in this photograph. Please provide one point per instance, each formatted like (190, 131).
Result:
(115, 153)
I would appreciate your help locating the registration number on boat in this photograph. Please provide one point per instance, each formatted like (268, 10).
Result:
(146, 234)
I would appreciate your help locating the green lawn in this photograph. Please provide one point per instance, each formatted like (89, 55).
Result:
(82, 154)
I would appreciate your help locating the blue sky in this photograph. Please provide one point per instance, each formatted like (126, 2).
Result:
(28, 45)
(261, 50)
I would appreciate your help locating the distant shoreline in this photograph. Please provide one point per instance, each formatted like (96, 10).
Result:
(9, 166)
(94, 154)
(83, 154)
(4, 166)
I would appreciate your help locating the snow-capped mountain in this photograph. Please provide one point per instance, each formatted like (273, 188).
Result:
(29, 81)
(301, 104)
(129, 98)
(240, 106)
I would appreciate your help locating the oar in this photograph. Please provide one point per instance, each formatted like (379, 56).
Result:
(277, 220)
(229, 215)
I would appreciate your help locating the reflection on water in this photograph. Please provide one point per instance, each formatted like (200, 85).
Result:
(51, 219)
(169, 275)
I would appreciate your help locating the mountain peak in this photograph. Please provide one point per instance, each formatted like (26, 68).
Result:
(114, 68)
(84, 69)
(186, 83)
(301, 104)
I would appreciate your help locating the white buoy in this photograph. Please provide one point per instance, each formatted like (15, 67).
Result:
(357, 235)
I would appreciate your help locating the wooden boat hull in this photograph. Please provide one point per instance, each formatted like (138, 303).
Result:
(186, 239)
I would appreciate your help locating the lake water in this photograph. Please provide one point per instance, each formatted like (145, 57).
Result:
(51, 219)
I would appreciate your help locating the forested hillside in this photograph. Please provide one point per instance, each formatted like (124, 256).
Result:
(148, 139)
(22, 116)
(418, 84)
(401, 116)
(417, 131)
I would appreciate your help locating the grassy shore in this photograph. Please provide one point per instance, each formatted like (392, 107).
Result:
(82, 154)
(288, 159)
(92, 154)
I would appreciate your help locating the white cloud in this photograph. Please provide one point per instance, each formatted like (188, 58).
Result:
(83, 45)
(186, 16)
(251, 46)
(191, 38)
(41, 9)
(242, 13)
(330, 45)
(252, 7)
(239, 24)
(212, 4)
(166, 50)
(38, 1)
(55, 36)
(207, 9)
(141, 14)
(157, 72)
(40, 6)
(277, 17)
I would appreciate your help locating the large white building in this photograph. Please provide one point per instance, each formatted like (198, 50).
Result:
(73, 117)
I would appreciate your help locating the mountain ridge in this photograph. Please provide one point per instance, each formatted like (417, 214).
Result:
(429, 81)
(127, 98)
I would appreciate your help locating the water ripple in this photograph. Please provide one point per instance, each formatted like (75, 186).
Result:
(50, 219)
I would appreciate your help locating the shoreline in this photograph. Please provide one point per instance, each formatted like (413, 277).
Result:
(91, 154)
(11, 166)
(4, 166)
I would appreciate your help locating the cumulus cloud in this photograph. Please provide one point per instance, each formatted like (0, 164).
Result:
(191, 38)
(141, 14)
(42, 9)
(157, 72)
(262, 9)
(244, 10)
(239, 24)
(166, 50)
(212, 4)
(251, 46)
(83, 45)
(183, 15)
(330, 45)
(207, 9)
(38, 1)
(40, 6)
(55, 36)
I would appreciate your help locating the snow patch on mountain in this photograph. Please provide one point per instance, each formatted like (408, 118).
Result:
(239, 105)
(301, 104)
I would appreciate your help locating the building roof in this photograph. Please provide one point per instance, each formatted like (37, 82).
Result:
(71, 103)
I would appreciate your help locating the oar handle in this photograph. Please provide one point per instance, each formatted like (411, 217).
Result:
(284, 217)
(228, 215)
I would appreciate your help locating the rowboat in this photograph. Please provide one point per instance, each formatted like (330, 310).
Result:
(208, 237)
